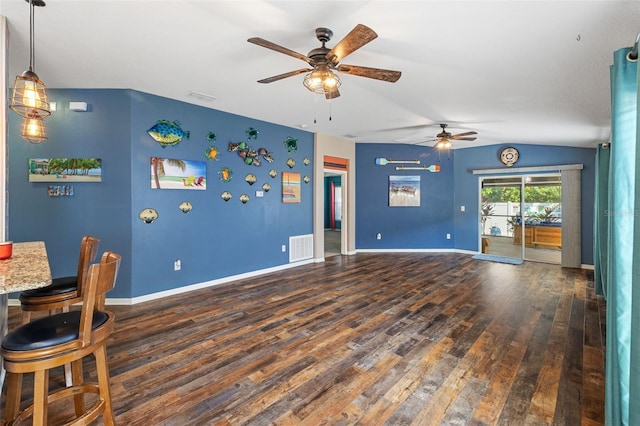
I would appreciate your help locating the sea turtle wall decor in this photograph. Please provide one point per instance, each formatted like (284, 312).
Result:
(225, 174)
(212, 152)
(291, 144)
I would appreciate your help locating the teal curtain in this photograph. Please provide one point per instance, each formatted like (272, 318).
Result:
(621, 287)
(601, 220)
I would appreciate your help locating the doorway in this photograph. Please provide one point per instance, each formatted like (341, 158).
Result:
(521, 217)
(333, 213)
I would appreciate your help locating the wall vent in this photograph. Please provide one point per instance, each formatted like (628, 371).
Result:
(300, 247)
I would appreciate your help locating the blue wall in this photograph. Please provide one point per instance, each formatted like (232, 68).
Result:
(215, 240)
(443, 193)
(218, 239)
(100, 209)
(403, 227)
(486, 157)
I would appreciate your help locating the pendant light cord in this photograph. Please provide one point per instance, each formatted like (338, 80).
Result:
(31, 35)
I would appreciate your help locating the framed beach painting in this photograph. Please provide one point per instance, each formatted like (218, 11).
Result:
(65, 170)
(290, 187)
(404, 191)
(169, 173)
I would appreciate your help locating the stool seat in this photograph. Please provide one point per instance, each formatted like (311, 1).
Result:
(49, 331)
(62, 285)
(63, 291)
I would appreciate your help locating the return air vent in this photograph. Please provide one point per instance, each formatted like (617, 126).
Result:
(300, 247)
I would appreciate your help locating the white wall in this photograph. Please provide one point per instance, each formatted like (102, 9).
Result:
(342, 148)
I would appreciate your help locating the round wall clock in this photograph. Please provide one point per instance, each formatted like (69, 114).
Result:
(509, 156)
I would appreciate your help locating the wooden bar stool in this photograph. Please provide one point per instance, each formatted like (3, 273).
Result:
(63, 338)
(64, 291)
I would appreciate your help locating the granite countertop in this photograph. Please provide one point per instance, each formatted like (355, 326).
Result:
(27, 269)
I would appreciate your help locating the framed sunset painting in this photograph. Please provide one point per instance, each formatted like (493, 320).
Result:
(290, 187)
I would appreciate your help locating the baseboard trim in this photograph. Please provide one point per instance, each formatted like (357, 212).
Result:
(416, 251)
(192, 287)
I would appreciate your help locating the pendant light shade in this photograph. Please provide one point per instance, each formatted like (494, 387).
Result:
(29, 96)
(33, 129)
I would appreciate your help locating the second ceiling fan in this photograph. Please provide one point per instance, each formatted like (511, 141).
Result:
(321, 78)
(444, 138)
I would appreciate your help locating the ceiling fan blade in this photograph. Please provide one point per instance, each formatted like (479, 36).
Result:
(269, 45)
(377, 73)
(332, 95)
(464, 138)
(465, 134)
(358, 37)
(285, 75)
(427, 141)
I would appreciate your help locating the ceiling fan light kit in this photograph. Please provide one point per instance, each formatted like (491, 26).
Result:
(444, 138)
(322, 78)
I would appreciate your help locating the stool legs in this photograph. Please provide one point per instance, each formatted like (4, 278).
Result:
(40, 395)
(14, 391)
(103, 381)
(76, 376)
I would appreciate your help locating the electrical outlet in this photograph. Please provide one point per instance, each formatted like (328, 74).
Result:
(177, 265)
(284, 248)
(448, 236)
(461, 208)
(378, 236)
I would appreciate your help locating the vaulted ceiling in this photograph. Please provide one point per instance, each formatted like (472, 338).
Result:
(514, 71)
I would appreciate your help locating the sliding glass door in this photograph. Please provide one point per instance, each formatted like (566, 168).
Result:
(500, 209)
(521, 217)
(543, 214)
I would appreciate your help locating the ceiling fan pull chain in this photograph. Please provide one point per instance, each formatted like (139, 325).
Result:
(315, 108)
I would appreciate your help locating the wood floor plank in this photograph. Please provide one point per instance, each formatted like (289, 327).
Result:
(369, 339)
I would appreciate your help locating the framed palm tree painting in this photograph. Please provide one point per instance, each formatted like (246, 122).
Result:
(169, 173)
(65, 170)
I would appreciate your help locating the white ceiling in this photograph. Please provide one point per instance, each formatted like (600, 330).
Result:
(515, 71)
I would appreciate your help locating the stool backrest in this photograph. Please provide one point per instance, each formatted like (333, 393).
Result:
(88, 251)
(101, 279)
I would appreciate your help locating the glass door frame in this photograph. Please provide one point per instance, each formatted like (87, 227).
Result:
(525, 179)
(521, 207)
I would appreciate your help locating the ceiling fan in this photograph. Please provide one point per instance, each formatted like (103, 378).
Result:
(444, 138)
(321, 78)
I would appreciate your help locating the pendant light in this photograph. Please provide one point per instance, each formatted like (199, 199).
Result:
(29, 92)
(33, 129)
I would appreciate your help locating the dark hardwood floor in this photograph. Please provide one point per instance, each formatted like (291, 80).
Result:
(371, 339)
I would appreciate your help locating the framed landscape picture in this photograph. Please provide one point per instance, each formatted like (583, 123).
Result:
(63, 170)
(404, 191)
(169, 173)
